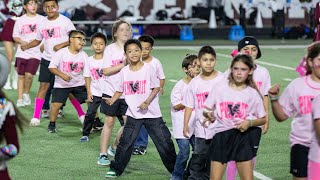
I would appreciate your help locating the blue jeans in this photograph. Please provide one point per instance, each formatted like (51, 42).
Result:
(160, 136)
(182, 157)
(142, 139)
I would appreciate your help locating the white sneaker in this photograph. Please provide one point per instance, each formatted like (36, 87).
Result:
(35, 122)
(26, 99)
(45, 114)
(81, 119)
(7, 86)
(60, 114)
(20, 103)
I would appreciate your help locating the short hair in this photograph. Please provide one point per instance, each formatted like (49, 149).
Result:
(188, 60)
(25, 2)
(44, 1)
(98, 35)
(146, 38)
(74, 32)
(207, 50)
(132, 41)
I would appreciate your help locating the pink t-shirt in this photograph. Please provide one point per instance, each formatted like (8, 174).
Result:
(54, 32)
(157, 66)
(136, 87)
(113, 56)
(26, 28)
(314, 153)
(232, 106)
(93, 69)
(296, 102)
(177, 117)
(195, 96)
(71, 64)
(261, 77)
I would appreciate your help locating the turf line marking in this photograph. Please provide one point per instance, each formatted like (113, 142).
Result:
(260, 176)
(288, 79)
(173, 80)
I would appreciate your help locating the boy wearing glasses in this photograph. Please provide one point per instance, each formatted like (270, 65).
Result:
(53, 31)
(67, 65)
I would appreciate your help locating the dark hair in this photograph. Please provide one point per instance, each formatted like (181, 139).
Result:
(132, 41)
(74, 32)
(188, 60)
(44, 1)
(206, 50)
(115, 27)
(98, 35)
(313, 52)
(146, 38)
(25, 2)
(21, 120)
(247, 60)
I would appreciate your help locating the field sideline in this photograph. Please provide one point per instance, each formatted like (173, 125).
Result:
(62, 156)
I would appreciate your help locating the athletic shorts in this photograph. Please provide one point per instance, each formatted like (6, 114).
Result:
(119, 107)
(27, 66)
(299, 160)
(60, 95)
(45, 74)
(7, 31)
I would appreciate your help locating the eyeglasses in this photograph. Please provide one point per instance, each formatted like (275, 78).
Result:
(47, 8)
(81, 39)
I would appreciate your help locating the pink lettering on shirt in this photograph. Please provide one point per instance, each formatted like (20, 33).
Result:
(29, 28)
(137, 87)
(51, 33)
(258, 84)
(96, 73)
(305, 104)
(232, 110)
(116, 62)
(72, 66)
(201, 98)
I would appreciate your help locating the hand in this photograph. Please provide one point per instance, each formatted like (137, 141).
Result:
(109, 101)
(144, 105)
(24, 47)
(186, 131)
(161, 91)
(274, 90)
(208, 114)
(243, 125)
(66, 77)
(90, 97)
(23, 43)
(265, 128)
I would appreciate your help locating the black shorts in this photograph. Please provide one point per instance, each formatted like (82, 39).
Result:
(299, 160)
(45, 74)
(119, 107)
(60, 95)
(255, 137)
(231, 145)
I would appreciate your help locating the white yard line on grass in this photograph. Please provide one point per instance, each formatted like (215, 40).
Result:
(173, 80)
(288, 79)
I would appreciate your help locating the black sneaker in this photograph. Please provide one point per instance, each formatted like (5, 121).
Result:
(135, 151)
(97, 125)
(142, 150)
(52, 127)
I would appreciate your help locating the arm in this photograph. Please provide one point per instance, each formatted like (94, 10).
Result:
(317, 128)
(147, 102)
(162, 82)
(186, 119)
(246, 124)
(266, 108)
(178, 107)
(275, 105)
(115, 96)
(57, 72)
(19, 40)
(88, 83)
(113, 70)
(32, 44)
(60, 46)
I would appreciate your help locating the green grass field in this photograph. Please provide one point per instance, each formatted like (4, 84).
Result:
(62, 156)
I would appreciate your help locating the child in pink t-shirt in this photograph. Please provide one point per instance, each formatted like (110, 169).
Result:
(191, 68)
(236, 106)
(139, 86)
(67, 65)
(314, 153)
(94, 77)
(53, 31)
(295, 102)
(249, 45)
(194, 98)
(113, 62)
(140, 146)
(27, 62)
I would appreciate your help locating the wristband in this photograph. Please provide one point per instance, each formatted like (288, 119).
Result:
(274, 98)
